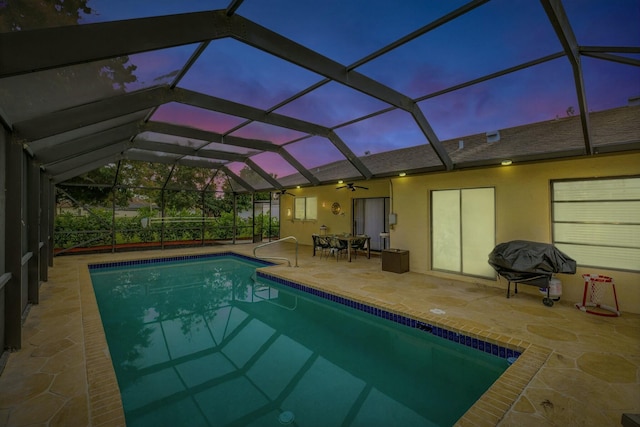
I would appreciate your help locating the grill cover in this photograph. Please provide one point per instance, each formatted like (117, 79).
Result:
(522, 261)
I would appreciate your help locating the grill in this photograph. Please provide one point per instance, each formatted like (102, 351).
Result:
(530, 263)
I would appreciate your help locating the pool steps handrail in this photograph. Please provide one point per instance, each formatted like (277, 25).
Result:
(275, 257)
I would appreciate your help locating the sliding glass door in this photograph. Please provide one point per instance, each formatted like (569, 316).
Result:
(463, 230)
(370, 218)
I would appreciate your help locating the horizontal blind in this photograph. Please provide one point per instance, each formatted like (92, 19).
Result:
(597, 221)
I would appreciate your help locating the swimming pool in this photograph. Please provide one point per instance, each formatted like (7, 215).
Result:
(199, 341)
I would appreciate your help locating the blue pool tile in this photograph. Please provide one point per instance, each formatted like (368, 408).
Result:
(468, 341)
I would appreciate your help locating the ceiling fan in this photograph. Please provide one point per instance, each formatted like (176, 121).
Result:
(352, 187)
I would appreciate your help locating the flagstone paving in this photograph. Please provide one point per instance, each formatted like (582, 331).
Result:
(577, 369)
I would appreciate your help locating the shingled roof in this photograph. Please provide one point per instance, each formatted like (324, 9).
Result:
(561, 137)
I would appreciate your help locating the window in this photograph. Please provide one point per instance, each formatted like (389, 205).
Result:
(463, 230)
(305, 208)
(597, 221)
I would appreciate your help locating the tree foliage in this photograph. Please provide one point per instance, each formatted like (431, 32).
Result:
(87, 82)
(20, 15)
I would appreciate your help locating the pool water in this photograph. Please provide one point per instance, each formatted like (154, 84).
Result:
(203, 342)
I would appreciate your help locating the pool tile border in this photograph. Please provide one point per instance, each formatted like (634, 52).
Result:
(161, 260)
(493, 348)
(485, 346)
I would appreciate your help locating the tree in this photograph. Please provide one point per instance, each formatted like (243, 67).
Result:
(32, 94)
(221, 201)
(98, 78)
(21, 15)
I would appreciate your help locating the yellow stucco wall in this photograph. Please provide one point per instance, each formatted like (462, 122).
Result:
(326, 195)
(523, 211)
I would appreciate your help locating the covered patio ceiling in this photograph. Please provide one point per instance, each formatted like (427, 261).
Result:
(288, 93)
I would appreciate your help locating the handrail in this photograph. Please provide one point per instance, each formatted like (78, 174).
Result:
(148, 220)
(275, 257)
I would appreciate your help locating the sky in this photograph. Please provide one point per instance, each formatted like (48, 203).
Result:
(492, 37)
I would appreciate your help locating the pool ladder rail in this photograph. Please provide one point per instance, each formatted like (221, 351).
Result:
(275, 257)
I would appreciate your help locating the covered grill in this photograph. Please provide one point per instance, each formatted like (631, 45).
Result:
(531, 263)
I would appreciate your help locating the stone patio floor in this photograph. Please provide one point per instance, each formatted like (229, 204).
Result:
(577, 369)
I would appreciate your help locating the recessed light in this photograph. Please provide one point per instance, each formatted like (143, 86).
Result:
(506, 162)
(402, 174)
(340, 182)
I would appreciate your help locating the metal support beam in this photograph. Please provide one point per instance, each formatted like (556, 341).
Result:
(48, 151)
(195, 163)
(91, 113)
(193, 133)
(350, 155)
(33, 231)
(613, 58)
(430, 134)
(4, 120)
(236, 178)
(257, 169)
(71, 173)
(187, 151)
(252, 113)
(296, 164)
(67, 153)
(282, 47)
(558, 18)
(111, 152)
(42, 49)
(52, 218)
(45, 215)
(14, 225)
(240, 110)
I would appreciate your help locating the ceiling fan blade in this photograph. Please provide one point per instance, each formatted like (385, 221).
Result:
(344, 186)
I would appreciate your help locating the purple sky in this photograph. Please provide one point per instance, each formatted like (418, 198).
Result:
(497, 35)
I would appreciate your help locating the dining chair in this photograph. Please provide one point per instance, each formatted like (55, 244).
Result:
(338, 247)
(359, 243)
(322, 244)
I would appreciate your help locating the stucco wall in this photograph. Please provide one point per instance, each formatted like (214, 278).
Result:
(523, 211)
(326, 195)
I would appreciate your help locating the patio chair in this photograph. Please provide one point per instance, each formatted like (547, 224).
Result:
(322, 244)
(359, 243)
(338, 246)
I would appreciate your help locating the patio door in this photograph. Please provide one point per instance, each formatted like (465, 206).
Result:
(463, 230)
(370, 218)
